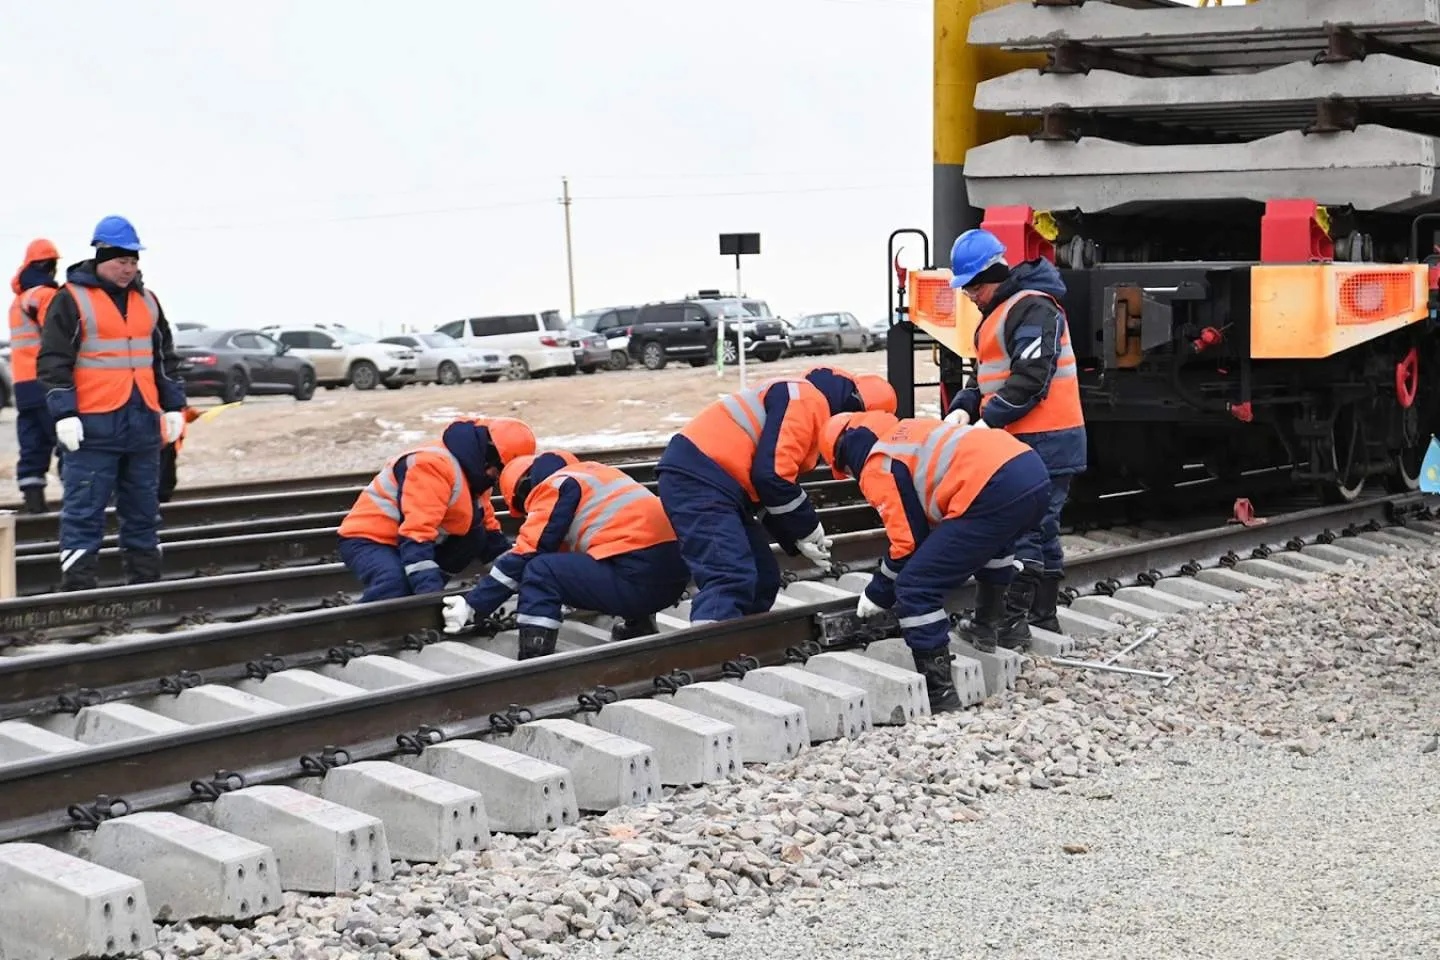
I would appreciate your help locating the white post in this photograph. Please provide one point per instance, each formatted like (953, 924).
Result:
(720, 349)
(740, 333)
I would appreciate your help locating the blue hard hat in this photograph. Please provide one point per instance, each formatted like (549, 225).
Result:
(116, 232)
(974, 252)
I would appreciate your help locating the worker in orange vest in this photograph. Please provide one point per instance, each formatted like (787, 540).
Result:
(743, 455)
(34, 285)
(170, 455)
(1027, 386)
(953, 499)
(111, 378)
(593, 538)
(427, 515)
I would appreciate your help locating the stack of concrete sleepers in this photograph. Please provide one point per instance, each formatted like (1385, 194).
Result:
(1243, 91)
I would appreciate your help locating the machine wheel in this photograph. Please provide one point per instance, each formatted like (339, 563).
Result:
(1345, 456)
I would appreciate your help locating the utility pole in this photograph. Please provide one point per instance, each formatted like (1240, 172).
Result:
(569, 251)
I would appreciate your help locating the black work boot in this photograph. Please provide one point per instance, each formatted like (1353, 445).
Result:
(934, 665)
(1047, 596)
(630, 628)
(141, 566)
(537, 641)
(982, 631)
(34, 498)
(1013, 633)
(82, 574)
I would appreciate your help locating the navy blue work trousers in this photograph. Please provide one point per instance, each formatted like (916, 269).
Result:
(632, 585)
(725, 547)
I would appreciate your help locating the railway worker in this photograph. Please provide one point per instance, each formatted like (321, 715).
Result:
(170, 455)
(746, 453)
(109, 369)
(1027, 386)
(593, 538)
(34, 285)
(427, 515)
(953, 499)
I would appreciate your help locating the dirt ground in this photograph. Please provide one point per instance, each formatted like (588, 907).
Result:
(346, 430)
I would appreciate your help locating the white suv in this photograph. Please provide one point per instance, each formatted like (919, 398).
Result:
(343, 356)
(534, 343)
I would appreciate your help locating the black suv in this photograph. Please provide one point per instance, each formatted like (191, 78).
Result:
(687, 330)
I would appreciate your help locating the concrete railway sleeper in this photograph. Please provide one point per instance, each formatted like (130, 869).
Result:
(431, 751)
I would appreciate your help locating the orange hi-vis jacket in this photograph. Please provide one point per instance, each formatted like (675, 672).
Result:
(728, 432)
(116, 352)
(1061, 408)
(27, 315)
(615, 515)
(948, 464)
(431, 504)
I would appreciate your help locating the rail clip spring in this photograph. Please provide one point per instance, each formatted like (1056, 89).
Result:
(513, 716)
(224, 781)
(328, 759)
(105, 807)
(415, 743)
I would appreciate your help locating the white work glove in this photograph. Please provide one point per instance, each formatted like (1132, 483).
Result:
(172, 425)
(958, 417)
(457, 614)
(867, 608)
(980, 424)
(69, 432)
(816, 546)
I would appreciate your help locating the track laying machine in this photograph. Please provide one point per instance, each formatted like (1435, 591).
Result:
(1243, 203)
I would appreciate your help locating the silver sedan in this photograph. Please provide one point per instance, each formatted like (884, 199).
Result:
(440, 358)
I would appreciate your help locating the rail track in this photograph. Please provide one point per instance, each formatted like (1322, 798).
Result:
(378, 693)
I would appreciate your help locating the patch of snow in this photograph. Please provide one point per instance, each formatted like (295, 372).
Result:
(604, 440)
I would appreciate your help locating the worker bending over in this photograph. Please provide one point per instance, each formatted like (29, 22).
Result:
(34, 285)
(427, 515)
(953, 499)
(112, 384)
(593, 539)
(1028, 386)
(743, 455)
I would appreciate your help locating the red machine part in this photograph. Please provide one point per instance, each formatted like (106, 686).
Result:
(1241, 411)
(1209, 337)
(1015, 227)
(1291, 232)
(1407, 378)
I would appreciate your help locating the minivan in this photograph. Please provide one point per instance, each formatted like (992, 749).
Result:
(534, 343)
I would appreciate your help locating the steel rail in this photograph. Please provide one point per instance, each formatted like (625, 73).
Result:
(161, 770)
(223, 506)
(355, 479)
(237, 596)
(208, 519)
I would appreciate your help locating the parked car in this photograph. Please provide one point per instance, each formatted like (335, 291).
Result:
(591, 350)
(533, 343)
(7, 384)
(347, 357)
(688, 330)
(879, 334)
(231, 364)
(186, 325)
(613, 324)
(443, 359)
(827, 333)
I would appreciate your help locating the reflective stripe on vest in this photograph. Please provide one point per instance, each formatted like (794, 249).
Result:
(747, 408)
(25, 321)
(384, 490)
(933, 456)
(131, 353)
(994, 356)
(600, 502)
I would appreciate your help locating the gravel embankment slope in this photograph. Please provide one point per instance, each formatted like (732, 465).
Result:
(1277, 800)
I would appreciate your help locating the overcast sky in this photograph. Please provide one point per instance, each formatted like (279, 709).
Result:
(380, 163)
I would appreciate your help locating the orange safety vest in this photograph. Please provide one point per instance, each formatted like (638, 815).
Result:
(27, 316)
(1061, 409)
(728, 431)
(438, 509)
(616, 514)
(949, 466)
(116, 353)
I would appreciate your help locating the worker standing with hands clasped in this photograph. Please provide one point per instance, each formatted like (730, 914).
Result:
(953, 499)
(34, 286)
(745, 454)
(427, 515)
(593, 538)
(1027, 386)
(109, 369)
